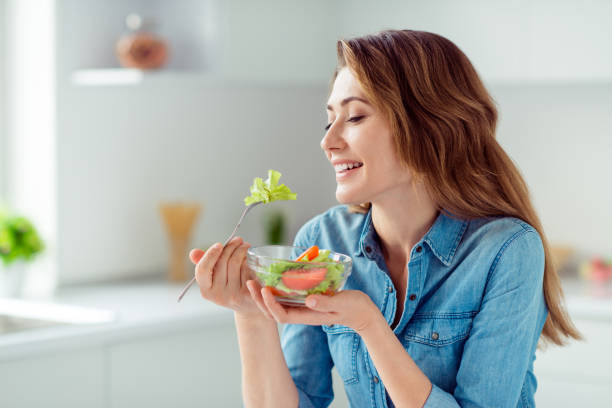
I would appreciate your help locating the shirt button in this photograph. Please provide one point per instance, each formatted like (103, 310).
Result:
(390, 289)
(419, 249)
(376, 380)
(412, 297)
(435, 336)
(368, 249)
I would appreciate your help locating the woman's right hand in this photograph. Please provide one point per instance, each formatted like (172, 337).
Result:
(222, 274)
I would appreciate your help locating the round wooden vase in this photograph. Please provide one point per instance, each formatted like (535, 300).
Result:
(179, 219)
(141, 48)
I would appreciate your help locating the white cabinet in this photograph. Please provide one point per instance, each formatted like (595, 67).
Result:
(578, 374)
(197, 367)
(190, 369)
(68, 379)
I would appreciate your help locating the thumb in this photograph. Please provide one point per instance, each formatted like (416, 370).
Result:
(195, 255)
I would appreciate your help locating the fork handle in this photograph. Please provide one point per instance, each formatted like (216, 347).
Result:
(244, 213)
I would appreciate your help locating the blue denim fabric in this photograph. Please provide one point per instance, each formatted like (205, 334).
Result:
(472, 326)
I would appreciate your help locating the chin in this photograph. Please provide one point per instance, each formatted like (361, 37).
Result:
(349, 197)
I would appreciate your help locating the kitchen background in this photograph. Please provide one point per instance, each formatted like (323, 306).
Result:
(89, 150)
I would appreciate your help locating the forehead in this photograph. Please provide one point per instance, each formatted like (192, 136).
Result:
(345, 85)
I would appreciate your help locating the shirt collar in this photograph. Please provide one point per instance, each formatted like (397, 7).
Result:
(442, 238)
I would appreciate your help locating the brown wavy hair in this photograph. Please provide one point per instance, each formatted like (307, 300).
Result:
(443, 123)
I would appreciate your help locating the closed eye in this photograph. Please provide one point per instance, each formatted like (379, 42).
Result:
(353, 119)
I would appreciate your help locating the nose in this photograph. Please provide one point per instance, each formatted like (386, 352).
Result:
(332, 139)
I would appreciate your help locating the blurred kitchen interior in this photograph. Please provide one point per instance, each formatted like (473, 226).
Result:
(89, 150)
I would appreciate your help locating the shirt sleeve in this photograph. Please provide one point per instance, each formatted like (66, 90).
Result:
(306, 350)
(497, 354)
(310, 364)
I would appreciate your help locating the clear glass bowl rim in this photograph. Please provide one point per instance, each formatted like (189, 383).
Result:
(343, 258)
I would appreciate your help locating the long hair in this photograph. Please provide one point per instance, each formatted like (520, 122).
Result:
(443, 123)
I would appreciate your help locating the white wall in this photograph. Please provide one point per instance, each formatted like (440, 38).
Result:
(30, 62)
(123, 150)
(517, 41)
(561, 138)
(281, 40)
(2, 103)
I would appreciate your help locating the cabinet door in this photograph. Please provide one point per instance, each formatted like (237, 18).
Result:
(67, 379)
(198, 368)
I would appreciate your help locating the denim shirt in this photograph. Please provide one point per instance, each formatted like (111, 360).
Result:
(473, 313)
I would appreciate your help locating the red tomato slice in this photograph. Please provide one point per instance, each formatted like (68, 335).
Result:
(276, 292)
(303, 279)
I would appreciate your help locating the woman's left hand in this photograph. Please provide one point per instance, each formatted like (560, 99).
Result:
(352, 308)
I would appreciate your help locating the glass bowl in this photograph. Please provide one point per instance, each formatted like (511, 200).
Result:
(290, 281)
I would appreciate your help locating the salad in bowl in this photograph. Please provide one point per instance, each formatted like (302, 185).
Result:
(293, 273)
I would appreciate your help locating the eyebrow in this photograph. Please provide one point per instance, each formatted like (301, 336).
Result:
(347, 100)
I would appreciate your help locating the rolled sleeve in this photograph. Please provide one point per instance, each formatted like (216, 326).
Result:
(438, 398)
(305, 401)
(309, 361)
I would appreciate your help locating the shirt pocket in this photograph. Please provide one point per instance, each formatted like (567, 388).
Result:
(343, 346)
(435, 342)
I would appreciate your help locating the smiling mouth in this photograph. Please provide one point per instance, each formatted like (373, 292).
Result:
(347, 169)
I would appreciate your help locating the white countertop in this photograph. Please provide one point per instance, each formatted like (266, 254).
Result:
(149, 308)
(588, 300)
(138, 308)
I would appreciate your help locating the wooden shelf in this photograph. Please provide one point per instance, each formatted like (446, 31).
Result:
(125, 77)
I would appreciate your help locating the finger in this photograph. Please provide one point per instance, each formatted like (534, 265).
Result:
(276, 310)
(234, 265)
(195, 255)
(246, 273)
(204, 268)
(220, 273)
(300, 315)
(254, 290)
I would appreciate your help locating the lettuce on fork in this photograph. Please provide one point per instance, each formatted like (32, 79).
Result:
(269, 190)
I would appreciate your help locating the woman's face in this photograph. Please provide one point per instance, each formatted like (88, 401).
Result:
(359, 136)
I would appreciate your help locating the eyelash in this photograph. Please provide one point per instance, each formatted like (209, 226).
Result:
(353, 119)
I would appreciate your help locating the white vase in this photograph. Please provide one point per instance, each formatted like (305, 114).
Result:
(12, 278)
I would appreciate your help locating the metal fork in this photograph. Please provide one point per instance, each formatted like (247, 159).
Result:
(244, 213)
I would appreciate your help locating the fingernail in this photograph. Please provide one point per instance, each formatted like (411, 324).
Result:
(310, 302)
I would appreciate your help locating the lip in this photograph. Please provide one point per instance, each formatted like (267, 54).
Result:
(336, 162)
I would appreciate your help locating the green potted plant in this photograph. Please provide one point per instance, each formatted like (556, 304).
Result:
(274, 227)
(19, 243)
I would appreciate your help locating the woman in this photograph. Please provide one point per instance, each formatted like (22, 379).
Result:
(452, 283)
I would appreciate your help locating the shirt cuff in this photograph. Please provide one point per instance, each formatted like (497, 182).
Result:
(439, 399)
(305, 401)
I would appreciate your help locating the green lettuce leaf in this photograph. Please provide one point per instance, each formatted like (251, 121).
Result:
(269, 190)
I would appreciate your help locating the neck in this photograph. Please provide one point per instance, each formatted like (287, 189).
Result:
(401, 220)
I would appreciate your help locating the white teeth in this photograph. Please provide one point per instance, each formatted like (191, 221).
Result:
(347, 166)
